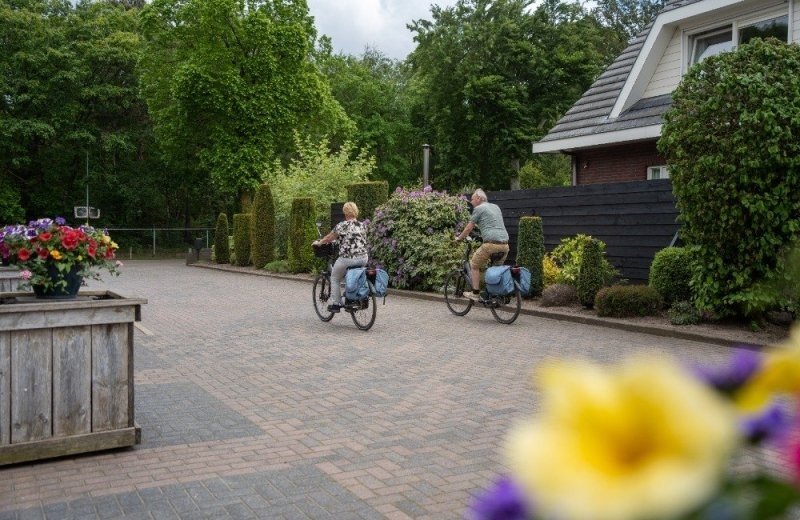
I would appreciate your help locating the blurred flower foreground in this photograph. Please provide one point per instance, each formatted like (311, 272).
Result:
(48, 252)
(649, 439)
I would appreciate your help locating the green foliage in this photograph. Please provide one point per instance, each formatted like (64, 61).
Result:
(546, 170)
(222, 252)
(317, 173)
(278, 266)
(567, 258)
(622, 301)
(368, 196)
(411, 237)
(730, 139)
(10, 208)
(241, 238)
(627, 17)
(302, 231)
(530, 251)
(590, 277)
(262, 227)
(559, 295)
(671, 273)
(683, 313)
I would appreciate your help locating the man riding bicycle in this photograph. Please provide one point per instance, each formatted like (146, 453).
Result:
(489, 220)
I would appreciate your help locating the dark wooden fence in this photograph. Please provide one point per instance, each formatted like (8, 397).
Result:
(634, 219)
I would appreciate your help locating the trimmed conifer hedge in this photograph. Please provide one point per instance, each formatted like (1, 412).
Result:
(222, 251)
(590, 276)
(302, 231)
(368, 196)
(241, 238)
(530, 251)
(262, 227)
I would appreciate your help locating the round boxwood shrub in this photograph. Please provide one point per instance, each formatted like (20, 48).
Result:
(262, 227)
(302, 231)
(241, 238)
(559, 295)
(622, 301)
(530, 251)
(683, 313)
(222, 252)
(590, 277)
(670, 274)
(368, 196)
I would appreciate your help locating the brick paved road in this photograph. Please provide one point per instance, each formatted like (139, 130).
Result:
(251, 407)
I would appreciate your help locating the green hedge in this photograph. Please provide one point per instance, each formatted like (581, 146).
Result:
(621, 301)
(222, 251)
(262, 227)
(368, 196)
(302, 231)
(670, 274)
(530, 251)
(241, 238)
(590, 276)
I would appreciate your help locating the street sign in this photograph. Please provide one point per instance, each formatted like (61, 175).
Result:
(81, 212)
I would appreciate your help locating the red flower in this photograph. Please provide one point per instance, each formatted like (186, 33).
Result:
(69, 240)
(43, 253)
(23, 254)
(109, 253)
(91, 249)
(44, 237)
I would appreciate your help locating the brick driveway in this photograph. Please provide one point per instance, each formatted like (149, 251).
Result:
(251, 407)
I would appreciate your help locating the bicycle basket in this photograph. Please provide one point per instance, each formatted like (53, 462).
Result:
(325, 250)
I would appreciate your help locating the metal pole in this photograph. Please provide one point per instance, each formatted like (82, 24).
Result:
(206, 238)
(154, 241)
(87, 188)
(426, 154)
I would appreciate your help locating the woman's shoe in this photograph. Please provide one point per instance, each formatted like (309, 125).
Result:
(334, 308)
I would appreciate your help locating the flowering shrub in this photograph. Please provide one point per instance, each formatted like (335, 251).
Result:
(411, 236)
(47, 250)
(649, 439)
(568, 255)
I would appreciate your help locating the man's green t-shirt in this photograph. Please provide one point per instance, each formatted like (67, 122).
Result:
(489, 219)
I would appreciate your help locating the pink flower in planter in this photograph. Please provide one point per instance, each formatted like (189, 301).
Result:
(25, 275)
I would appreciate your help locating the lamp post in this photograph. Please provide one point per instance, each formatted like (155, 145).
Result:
(426, 155)
(87, 188)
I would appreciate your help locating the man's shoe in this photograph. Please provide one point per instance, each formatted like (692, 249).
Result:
(472, 296)
(334, 308)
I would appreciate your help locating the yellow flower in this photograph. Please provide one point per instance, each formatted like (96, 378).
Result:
(79, 258)
(106, 239)
(114, 245)
(779, 373)
(56, 255)
(644, 440)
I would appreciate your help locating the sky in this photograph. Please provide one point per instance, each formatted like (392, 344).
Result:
(355, 24)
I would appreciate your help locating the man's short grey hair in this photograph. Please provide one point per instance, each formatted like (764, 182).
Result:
(481, 195)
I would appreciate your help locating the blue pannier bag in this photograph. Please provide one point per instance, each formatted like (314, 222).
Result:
(499, 281)
(523, 278)
(355, 284)
(379, 279)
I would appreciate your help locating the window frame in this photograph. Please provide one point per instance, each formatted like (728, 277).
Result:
(663, 170)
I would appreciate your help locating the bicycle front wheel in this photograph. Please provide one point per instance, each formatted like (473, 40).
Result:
(364, 311)
(322, 296)
(454, 287)
(505, 309)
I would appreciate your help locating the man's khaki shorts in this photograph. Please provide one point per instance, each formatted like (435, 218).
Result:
(481, 256)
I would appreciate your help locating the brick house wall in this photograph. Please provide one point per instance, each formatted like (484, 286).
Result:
(623, 163)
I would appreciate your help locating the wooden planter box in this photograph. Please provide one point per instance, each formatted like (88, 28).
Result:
(9, 279)
(66, 375)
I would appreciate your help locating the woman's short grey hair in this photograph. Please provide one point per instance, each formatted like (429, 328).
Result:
(350, 210)
(481, 195)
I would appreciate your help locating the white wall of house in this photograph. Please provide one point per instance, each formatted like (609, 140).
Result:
(674, 61)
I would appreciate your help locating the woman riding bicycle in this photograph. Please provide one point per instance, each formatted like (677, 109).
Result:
(352, 236)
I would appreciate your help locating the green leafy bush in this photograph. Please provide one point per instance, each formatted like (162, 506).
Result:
(567, 257)
(530, 251)
(559, 295)
(683, 313)
(622, 301)
(731, 141)
(671, 272)
(222, 251)
(368, 196)
(302, 231)
(241, 238)
(278, 266)
(262, 227)
(590, 277)
(546, 170)
(411, 237)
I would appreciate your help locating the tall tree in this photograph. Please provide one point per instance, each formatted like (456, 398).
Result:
(627, 17)
(490, 76)
(228, 82)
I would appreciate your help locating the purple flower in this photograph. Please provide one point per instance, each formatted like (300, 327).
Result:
(427, 189)
(727, 380)
(61, 221)
(504, 501)
(772, 424)
(430, 230)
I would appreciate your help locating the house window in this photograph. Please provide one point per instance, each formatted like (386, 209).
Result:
(777, 27)
(711, 43)
(657, 172)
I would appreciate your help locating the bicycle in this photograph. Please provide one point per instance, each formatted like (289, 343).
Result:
(505, 309)
(363, 311)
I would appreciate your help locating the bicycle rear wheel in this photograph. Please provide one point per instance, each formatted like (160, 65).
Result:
(505, 309)
(454, 287)
(322, 296)
(364, 311)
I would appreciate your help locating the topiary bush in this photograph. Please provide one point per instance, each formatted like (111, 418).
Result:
(623, 301)
(411, 237)
(670, 274)
(567, 257)
(559, 295)
(302, 231)
(731, 142)
(241, 238)
(683, 313)
(262, 227)
(590, 277)
(530, 251)
(222, 252)
(368, 196)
